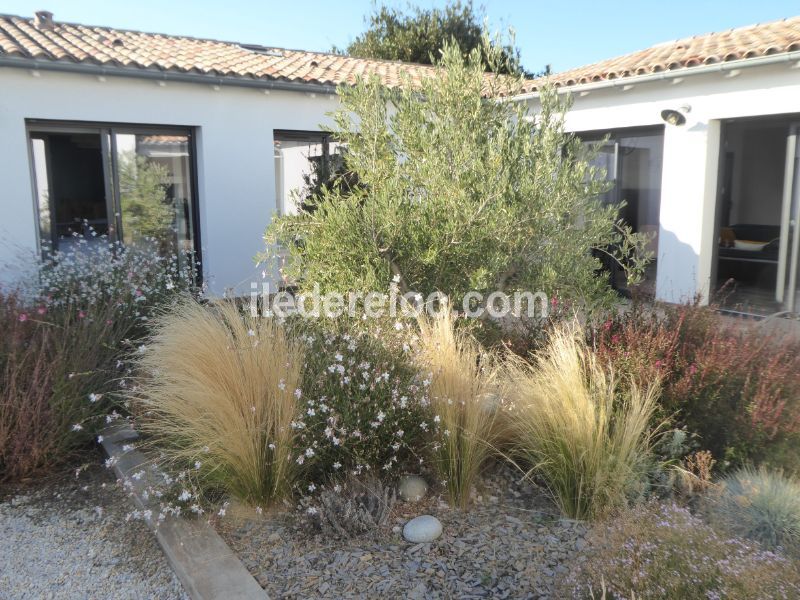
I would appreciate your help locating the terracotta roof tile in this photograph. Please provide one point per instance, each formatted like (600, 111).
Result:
(65, 42)
(776, 37)
(20, 38)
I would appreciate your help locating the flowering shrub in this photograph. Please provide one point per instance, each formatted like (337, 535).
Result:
(662, 551)
(363, 409)
(737, 389)
(63, 338)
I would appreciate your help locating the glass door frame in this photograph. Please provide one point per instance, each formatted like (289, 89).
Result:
(106, 132)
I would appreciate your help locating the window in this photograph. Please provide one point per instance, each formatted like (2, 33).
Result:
(304, 160)
(632, 162)
(134, 185)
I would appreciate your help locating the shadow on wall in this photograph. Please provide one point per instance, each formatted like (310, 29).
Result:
(676, 278)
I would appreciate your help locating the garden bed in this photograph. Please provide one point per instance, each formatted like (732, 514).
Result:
(510, 544)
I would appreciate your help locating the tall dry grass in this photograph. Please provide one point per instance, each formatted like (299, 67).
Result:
(575, 428)
(219, 389)
(463, 396)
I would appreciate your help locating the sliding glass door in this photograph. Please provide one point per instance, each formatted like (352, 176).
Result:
(632, 162)
(131, 185)
(758, 255)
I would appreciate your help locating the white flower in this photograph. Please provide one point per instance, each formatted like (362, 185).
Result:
(398, 326)
(437, 418)
(197, 465)
(311, 510)
(309, 452)
(271, 446)
(281, 385)
(221, 512)
(311, 487)
(298, 393)
(259, 510)
(338, 357)
(185, 495)
(95, 397)
(142, 349)
(77, 427)
(337, 465)
(251, 333)
(381, 416)
(396, 278)
(337, 488)
(100, 439)
(301, 459)
(310, 412)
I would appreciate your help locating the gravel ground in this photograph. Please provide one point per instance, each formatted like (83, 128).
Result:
(511, 544)
(69, 538)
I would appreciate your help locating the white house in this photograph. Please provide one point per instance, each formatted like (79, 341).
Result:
(701, 144)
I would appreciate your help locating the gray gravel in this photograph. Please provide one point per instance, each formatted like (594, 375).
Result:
(510, 544)
(69, 538)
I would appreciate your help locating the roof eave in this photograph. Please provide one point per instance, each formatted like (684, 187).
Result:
(164, 75)
(744, 63)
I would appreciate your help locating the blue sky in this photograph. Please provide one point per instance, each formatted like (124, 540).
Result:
(564, 34)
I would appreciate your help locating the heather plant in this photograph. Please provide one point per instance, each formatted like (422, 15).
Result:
(662, 551)
(575, 428)
(737, 388)
(760, 505)
(217, 397)
(464, 401)
(365, 410)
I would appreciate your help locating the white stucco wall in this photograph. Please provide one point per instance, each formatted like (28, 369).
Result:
(691, 152)
(235, 156)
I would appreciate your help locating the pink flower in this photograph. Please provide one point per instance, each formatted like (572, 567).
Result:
(41, 310)
(615, 339)
(692, 369)
(23, 317)
(81, 314)
(607, 325)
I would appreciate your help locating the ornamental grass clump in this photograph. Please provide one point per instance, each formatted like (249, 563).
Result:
(585, 437)
(463, 400)
(218, 394)
(758, 504)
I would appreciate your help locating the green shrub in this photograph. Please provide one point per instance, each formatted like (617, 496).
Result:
(661, 551)
(736, 387)
(760, 505)
(585, 436)
(457, 194)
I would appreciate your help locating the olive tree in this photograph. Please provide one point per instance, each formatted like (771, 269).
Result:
(460, 188)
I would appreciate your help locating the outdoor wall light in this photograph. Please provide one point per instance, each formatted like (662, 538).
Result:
(675, 117)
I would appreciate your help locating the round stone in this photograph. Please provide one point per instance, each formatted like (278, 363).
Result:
(412, 488)
(422, 529)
